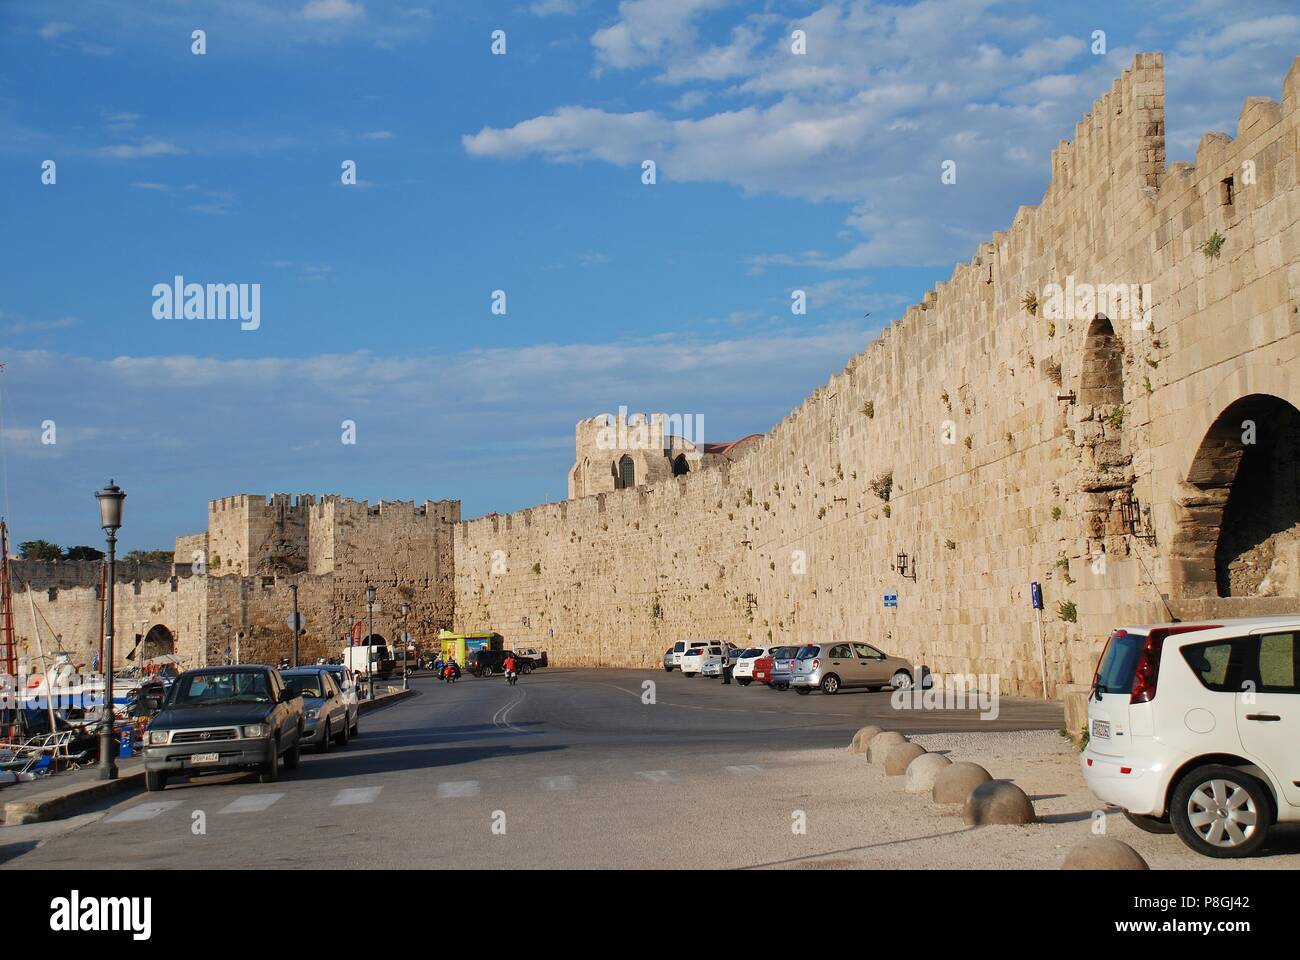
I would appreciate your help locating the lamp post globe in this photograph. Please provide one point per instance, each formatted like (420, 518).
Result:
(110, 518)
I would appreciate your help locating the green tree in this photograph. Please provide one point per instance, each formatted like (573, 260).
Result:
(40, 550)
(150, 556)
(83, 553)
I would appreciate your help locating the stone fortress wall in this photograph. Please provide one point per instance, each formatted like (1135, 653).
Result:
(228, 592)
(1095, 449)
(1137, 454)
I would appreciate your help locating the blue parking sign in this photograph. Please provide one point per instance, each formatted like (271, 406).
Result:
(891, 599)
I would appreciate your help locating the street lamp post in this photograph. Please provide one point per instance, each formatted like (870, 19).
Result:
(406, 642)
(110, 518)
(370, 639)
(293, 588)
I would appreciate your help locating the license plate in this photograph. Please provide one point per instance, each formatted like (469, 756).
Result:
(1101, 728)
(205, 757)
(761, 675)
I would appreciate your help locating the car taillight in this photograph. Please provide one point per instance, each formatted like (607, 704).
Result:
(816, 664)
(1148, 667)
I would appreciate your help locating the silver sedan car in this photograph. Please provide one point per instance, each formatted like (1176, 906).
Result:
(325, 709)
(833, 666)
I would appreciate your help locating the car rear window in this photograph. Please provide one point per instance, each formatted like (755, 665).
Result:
(807, 653)
(1118, 666)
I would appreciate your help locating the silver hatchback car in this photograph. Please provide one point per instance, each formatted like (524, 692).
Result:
(831, 666)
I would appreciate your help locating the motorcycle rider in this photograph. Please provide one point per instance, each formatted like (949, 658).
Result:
(511, 666)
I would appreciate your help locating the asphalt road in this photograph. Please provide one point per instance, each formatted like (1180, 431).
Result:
(571, 768)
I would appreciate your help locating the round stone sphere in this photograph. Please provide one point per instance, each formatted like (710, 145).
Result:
(881, 744)
(954, 783)
(862, 739)
(997, 801)
(922, 771)
(900, 756)
(1103, 853)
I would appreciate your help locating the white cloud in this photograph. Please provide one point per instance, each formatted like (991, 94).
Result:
(332, 10)
(146, 148)
(54, 29)
(550, 8)
(378, 135)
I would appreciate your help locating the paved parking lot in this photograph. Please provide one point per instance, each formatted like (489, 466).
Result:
(572, 768)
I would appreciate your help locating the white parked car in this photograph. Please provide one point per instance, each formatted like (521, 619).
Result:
(743, 672)
(1194, 728)
(693, 657)
(673, 658)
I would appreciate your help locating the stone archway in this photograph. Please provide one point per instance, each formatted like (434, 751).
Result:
(1238, 513)
(1101, 381)
(680, 466)
(157, 642)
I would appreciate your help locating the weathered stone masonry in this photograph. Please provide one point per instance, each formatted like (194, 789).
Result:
(1088, 452)
(1141, 467)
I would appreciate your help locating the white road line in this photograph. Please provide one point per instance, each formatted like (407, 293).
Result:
(558, 783)
(354, 795)
(655, 776)
(143, 811)
(251, 803)
(502, 717)
(458, 788)
(745, 769)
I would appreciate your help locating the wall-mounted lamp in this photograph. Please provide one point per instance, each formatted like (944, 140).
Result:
(900, 566)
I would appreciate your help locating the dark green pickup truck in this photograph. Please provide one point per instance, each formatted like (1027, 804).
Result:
(225, 718)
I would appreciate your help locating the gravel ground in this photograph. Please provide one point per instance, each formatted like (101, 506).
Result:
(1040, 762)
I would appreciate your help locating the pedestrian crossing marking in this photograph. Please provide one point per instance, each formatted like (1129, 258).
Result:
(745, 769)
(354, 795)
(558, 783)
(458, 788)
(656, 776)
(251, 803)
(143, 811)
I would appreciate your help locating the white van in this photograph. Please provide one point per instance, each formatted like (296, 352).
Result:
(1194, 728)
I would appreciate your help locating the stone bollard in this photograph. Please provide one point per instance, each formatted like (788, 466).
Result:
(997, 801)
(954, 783)
(881, 744)
(1103, 853)
(862, 739)
(899, 756)
(922, 771)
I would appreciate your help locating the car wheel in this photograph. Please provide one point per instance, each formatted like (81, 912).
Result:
(342, 738)
(668, 669)
(294, 755)
(326, 737)
(270, 771)
(902, 680)
(830, 684)
(155, 780)
(527, 668)
(1148, 823)
(803, 690)
(1221, 811)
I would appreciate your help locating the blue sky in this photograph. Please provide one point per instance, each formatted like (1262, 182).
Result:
(519, 172)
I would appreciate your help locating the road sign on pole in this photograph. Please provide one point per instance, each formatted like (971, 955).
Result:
(297, 622)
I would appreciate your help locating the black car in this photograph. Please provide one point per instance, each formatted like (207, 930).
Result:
(484, 663)
(225, 718)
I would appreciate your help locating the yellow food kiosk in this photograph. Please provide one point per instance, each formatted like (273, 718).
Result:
(462, 645)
